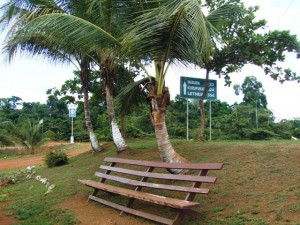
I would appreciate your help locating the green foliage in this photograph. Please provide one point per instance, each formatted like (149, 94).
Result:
(253, 92)
(261, 134)
(10, 135)
(236, 122)
(56, 158)
(33, 135)
(135, 132)
(243, 43)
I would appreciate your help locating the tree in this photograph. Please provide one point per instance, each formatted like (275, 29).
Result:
(253, 94)
(9, 135)
(243, 44)
(60, 31)
(9, 106)
(33, 135)
(171, 32)
(26, 134)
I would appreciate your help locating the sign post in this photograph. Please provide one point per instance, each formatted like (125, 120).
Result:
(72, 113)
(187, 119)
(194, 88)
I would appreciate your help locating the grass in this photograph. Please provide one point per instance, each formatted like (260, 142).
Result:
(258, 185)
(3, 156)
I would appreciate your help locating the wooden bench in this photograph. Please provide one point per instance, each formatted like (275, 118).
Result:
(136, 180)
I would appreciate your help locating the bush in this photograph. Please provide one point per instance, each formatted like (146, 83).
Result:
(56, 158)
(261, 134)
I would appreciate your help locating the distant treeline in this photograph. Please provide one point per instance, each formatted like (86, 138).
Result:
(236, 122)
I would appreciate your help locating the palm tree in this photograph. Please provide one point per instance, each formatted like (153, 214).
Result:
(8, 134)
(33, 135)
(176, 32)
(24, 11)
(84, 79)
(26, 134)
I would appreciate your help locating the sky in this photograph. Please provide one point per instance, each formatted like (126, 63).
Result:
(29, 78)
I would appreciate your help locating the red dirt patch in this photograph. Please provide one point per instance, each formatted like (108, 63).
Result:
(90, 213)
(4, 218)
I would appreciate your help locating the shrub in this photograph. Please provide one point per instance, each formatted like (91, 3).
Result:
(261, 134)
(56, 158)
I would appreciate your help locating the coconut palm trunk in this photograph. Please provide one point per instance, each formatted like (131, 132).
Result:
(166, 150)
(93, 139)
(87, 115)
(116, 134)
(123, 125)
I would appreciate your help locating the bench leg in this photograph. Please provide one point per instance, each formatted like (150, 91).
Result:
(138, 188)
(193, 213)
(95, 192)
(181, 213)
(179, 216)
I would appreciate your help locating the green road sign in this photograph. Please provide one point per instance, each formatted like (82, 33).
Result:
(194, 87)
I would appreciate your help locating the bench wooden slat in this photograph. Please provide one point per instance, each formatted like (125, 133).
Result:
(188, 166)
(153, 185)
(204, 179)
(166, 201)
(133, 211)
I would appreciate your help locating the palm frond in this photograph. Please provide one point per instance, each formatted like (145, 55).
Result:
(40, 46)
(132, 95)
(219, 17)
(9, 134)
(175, 32)
(6, 140)
(66, 32)
(22, 11)
(7, 125)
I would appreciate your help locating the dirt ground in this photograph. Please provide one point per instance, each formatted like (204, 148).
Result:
(4, 218)
(90, 213)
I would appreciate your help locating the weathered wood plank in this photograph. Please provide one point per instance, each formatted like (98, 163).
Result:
(194, 178)
(153, 185)
(133, 211)
(156, 199)
(188, 166)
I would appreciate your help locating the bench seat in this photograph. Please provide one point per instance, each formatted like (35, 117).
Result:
(156, 199)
